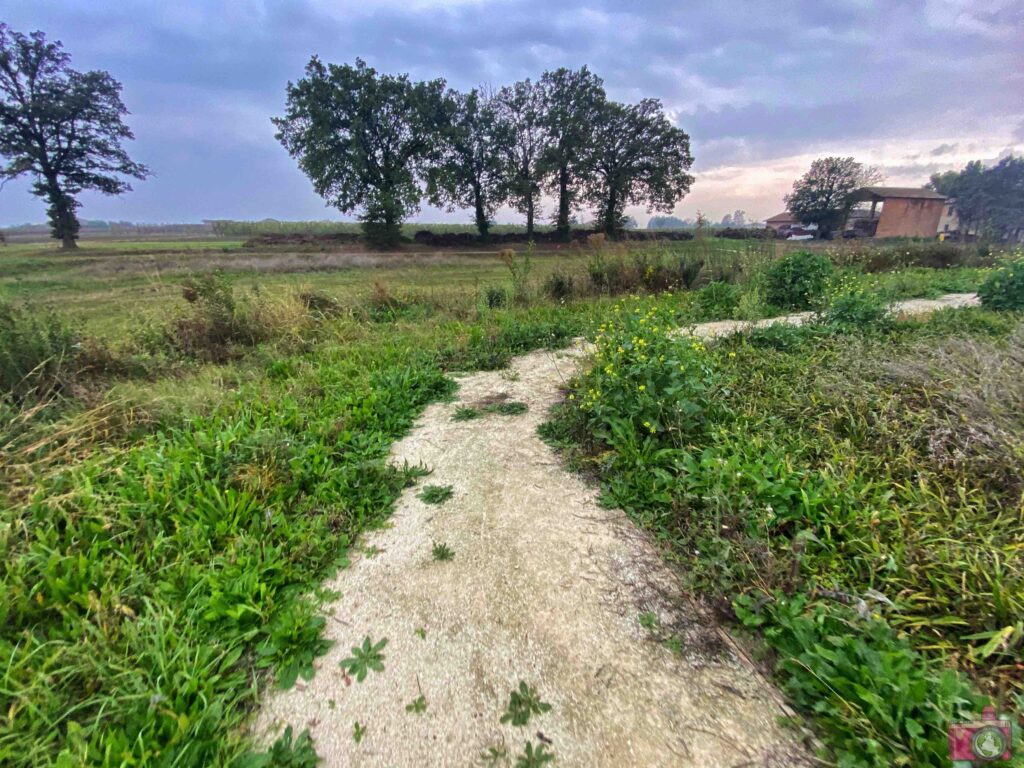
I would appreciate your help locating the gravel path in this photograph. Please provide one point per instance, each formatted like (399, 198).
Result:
(546, 587)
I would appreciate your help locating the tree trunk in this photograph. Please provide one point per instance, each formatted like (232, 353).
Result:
(529, 217)
(482, 224)
(562, 227)
(63, 221)
(610, 224)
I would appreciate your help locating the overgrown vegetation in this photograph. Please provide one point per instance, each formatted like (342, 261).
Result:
(855, 487)
(171, 496)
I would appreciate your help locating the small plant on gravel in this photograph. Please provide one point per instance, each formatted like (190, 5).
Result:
(513, 408)
(358, 729)
(364, 658)
(465, 413)
(523, 703)
(797, 280)
(417, 706)
(436, 494)
(649, 621)
(442, 552)
(420, 632)
(286, 752)
(534, 758)
(1004, 288)
(494, 755)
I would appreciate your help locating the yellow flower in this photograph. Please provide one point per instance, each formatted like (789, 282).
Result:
(572, 397)
(642, 387)
(732, 354)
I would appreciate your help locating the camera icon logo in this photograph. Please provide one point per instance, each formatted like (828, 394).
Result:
(982, 740)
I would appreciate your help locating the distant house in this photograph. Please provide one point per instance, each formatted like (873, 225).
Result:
(899, 211)
(780, 221)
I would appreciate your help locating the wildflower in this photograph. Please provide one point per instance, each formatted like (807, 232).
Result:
(642, 387)
(732, 354)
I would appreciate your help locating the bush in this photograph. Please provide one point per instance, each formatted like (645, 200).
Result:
(559, 286)
(718, 300)
(797, 280)
(36, 352)
(1004, 288)
(849, 306)
(495, 297)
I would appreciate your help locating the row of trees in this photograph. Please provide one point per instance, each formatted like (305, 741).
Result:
(988, 201)
(377, 144)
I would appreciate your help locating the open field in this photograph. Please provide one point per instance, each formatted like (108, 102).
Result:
(186, 457)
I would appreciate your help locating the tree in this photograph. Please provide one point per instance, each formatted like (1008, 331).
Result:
(364, 140)
(739, 219)
(520, 110)
(943, 182)
(822, 195)
(573, 103)
(469, 170)
(62, 126)
(1006, 207)
(637, 158)
(727, 220)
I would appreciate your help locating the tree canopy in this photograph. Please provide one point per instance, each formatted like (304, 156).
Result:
(822, 196)
(636, 157)
(469, 170)
(520, 109)
(62, 126)
(364, 139)
(987, 201)
(573, 105)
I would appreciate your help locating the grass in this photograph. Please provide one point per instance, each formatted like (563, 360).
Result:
(169, 509)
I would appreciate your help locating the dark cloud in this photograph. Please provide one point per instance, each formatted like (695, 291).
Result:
(752, 81)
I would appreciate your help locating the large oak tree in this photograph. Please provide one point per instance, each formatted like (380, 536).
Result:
(62, 126)
(364, 139)
(573, 104)
(469, 169)
(637, 158)
(520, 109)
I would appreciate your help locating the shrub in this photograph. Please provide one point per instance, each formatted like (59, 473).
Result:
(559, 286)
(797, 280)
(519, 271)
(1004, 288)
(849, 306)
(495, 297)
(36, 352)
(596, 241)
(718, 300)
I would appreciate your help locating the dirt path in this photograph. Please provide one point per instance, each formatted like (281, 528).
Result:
(546, 587)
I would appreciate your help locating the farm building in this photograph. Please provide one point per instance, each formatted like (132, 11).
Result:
(784, 220)
(900, 211)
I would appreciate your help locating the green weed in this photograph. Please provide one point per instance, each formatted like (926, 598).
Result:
(436, 494)
(364, 658)
(442, 552)
(358, 731)
(465, 413)
(534, 757)
(510, 408)
(523, 703)
(286, 752)
(417, 706)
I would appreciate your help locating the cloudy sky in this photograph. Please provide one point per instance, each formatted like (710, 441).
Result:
(762, 87)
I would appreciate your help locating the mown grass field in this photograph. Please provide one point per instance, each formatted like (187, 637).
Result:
(186, 456)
